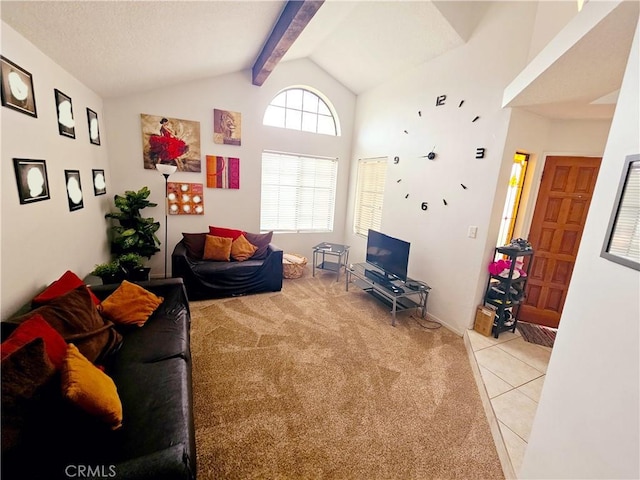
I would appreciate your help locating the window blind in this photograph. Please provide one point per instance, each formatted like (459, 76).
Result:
(625, 238)
(372, 175)
(298, 193)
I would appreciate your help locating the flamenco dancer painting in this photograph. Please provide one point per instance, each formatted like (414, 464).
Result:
(171, 141)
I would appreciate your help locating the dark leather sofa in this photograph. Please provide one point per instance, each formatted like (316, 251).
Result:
(152, 372)
(212, 279)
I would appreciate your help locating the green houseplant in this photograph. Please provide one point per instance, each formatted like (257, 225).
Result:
(134, 266)
(134, 234)
(109, 272)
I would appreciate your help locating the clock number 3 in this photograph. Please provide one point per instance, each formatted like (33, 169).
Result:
(479, 152)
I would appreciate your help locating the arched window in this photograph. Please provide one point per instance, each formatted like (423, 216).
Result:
(297, 108)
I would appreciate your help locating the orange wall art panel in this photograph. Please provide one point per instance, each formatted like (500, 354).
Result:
(223, 172)
(185, 198)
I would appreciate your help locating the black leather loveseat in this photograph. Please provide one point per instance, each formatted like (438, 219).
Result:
(152, 373)
(217, 279)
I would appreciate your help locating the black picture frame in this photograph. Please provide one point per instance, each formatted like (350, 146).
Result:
(17, 88)
(94, 128)
(621, 237)
(32, 180)
(99, 184)
(66, 121)
(73, 186)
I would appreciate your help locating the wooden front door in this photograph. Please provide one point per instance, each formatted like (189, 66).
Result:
(556, 229)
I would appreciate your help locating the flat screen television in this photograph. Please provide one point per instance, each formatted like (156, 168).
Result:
(389, 254)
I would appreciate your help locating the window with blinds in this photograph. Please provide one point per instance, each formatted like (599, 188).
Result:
(298, 193)
(372, 174)
(622, 243)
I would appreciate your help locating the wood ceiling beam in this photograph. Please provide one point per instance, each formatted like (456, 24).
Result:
(295, 16)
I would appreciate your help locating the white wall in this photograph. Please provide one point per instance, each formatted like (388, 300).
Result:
(551, 17)
(441, 253)
(587, 422)
(40, 241)
(195, 101)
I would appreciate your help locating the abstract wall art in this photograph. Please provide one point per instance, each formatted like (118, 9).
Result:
(223, 172)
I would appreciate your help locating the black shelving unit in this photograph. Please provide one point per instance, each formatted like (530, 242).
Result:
(512, 288)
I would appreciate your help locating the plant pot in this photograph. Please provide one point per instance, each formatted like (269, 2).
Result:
(112, 278)
(139, 274)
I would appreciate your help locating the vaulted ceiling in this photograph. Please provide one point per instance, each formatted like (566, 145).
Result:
(123, 47)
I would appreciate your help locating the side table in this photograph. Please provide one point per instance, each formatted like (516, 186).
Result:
(338, 257)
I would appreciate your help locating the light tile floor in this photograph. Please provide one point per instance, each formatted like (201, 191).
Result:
(512, 371)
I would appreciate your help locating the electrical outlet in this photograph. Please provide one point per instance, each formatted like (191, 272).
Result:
(473, 232)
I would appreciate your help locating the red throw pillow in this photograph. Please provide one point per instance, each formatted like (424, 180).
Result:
(67, 282)
(225, 232)
(36, 327)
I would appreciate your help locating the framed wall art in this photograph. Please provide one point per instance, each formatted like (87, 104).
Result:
(74, 189)
(622, 241)
(94, 130)
(171, 141)
(227, 127)
(99, 183)
(223, 172)
(32, 180)
(17, 88)
(66, 123)
(185, 198)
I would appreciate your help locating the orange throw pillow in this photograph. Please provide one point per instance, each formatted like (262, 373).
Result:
(241, 249)
(90, 389)
(217, 248)
(130, 304)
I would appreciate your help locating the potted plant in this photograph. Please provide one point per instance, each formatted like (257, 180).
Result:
(134, 234)
(109, 272)
(134, 267)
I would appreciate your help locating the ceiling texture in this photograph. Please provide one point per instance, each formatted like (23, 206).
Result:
(120, 48)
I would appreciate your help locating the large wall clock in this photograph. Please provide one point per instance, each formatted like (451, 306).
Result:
(441, 102)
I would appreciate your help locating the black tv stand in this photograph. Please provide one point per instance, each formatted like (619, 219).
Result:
(379, 277)
(389, 289)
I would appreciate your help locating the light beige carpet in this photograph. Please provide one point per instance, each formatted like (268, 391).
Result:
(314, 382)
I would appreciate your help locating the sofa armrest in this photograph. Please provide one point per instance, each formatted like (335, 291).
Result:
(172, 463)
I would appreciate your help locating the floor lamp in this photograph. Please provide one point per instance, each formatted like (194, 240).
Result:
(166, 170)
